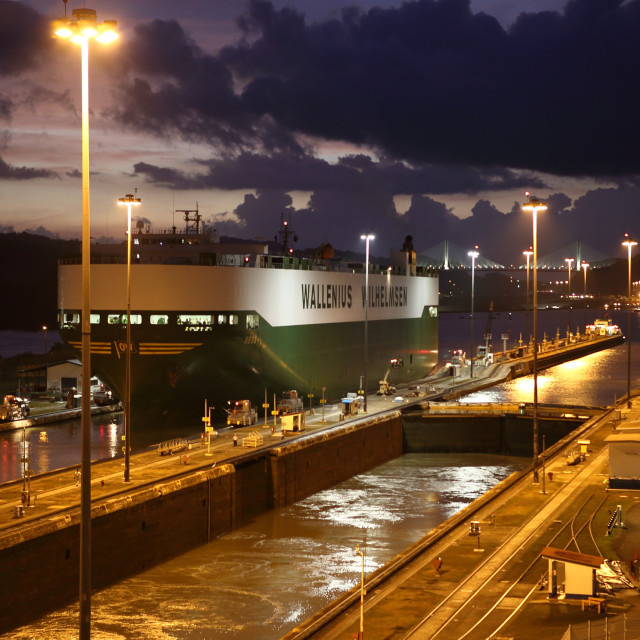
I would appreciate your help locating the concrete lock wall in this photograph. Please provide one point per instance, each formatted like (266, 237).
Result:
(133, 533)
(306, 467)
(506, 435)
(41, 564)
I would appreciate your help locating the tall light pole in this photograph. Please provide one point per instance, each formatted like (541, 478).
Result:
(473, 255)
(534, 205)
(629, 243)
(367, 237)
(129, 201)
(361, 553)
(80, 28)
(528, 253)
(45, 329)
(569, 262)
(585, 266)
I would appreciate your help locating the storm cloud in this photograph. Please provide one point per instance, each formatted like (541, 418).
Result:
(427, 82)
(423, 100)
(11, 172)
(24, 34)
(349, 173)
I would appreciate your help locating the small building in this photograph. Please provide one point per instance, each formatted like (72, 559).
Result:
(350, 406)
(624, 456)
(571, 574)
(293, 421)
(56, 379)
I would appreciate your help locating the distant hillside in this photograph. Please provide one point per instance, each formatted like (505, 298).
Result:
(29, 279)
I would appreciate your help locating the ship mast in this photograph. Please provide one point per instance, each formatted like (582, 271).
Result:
(192, 219)
(284, 235)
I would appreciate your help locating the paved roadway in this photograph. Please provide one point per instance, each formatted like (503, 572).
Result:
(58, 492)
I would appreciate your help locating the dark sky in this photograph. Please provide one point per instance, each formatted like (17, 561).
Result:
(428, 101)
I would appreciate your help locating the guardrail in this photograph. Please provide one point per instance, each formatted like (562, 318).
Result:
(173, 446)
(254, 439)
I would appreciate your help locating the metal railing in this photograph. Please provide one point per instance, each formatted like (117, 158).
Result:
(172, 446)
(257, 262)
(609, 628)
(254, 439)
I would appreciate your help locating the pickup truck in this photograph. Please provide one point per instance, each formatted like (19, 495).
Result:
(104, 397)
(14, 408)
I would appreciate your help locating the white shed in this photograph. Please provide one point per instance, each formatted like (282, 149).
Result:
(571, 574)
(63, 376)
(51, 379)
(293, 421)
(624, 456)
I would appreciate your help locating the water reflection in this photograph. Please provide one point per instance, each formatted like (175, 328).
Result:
(598, 379)
(263, 579)
(594, 380)
(60, 448)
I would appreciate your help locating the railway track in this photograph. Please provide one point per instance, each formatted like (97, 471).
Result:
(483, 603)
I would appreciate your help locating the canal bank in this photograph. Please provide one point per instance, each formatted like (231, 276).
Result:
(173, 507)
(153, 508)
(493, 583)
(169, 508)
(45, 413)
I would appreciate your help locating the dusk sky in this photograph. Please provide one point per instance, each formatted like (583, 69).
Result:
(428, 118)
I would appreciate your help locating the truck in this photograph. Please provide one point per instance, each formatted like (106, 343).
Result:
(14, 408)
(101, 394)
(241, 414)
(290, 402)
(385, 388)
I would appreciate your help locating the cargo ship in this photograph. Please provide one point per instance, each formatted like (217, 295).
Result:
(218, 321)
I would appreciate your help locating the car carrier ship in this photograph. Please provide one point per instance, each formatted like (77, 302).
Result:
(219, 321)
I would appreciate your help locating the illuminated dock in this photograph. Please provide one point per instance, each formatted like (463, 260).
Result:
(177, 502)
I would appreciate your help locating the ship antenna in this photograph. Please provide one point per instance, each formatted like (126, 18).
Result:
(285, 233)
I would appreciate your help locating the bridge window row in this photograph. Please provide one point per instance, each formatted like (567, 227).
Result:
(189, 321)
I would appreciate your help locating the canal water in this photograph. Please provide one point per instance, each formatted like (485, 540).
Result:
(261, 580)
(595, 380)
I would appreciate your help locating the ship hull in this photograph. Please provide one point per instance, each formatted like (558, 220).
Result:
(293, 330)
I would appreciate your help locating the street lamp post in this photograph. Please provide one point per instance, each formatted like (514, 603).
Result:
(534, 205)
(367, 238)
(569, 262)
(473, 255)
(26, 471)
(45, 329)
(80, 29)
(528, 254)
(361, 553)
(585, 266)
(129, 201)
(629, 243)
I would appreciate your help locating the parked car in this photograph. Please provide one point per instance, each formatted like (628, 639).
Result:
(14, 408)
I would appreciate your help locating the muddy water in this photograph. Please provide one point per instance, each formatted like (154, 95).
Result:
(261, 580)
